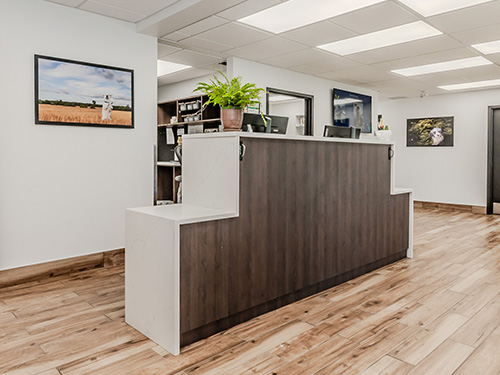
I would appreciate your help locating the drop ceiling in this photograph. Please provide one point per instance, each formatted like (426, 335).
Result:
(203, 33)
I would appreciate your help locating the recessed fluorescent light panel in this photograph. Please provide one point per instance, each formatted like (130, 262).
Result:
(297, 13)
(471, 85)
(443, 66)
(432, 7)
(383, 38)
(167, 67)
(488, 48)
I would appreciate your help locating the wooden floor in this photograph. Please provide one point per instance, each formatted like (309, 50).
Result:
(438, 313)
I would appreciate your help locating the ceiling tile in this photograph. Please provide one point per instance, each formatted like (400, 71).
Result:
(191, 58)
(318, 33)
(333, 63)
(399, 51)
(164, 50)
(70, 3)
(111, 11)
(297, 58)
(429, 58)
(244, 54)
(235, 35)
(203, 25)
(374, 18)
(274, 46)
(362, 73)
(246, 8)
(175, 36)
(495, 58)
(468, 18)
(435, 79)
(147, 7)
(205, 44)
(479, 35)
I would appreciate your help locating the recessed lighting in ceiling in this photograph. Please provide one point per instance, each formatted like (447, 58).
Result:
(167, 67)
(383, 38)
(429, 8)
(443, 66)
(488, 48)
(471, 85)
(296, 13)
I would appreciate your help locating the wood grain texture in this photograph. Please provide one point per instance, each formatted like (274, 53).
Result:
(40, 271)
(312, 215)
(74, 324)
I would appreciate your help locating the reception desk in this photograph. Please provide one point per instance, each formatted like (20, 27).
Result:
(286, 218)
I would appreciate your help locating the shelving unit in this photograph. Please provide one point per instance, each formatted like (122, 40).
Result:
(181, 116)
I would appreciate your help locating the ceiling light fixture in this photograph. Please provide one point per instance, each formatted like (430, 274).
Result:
(471, 85)
(443, 66)
(166, 67)
(383, 38)
(297, 13)
(488, 48)
(429, 8)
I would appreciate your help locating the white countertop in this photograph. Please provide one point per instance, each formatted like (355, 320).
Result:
(367, 140)
(184, 213)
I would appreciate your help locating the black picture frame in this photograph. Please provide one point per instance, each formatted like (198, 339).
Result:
(77, 93)
(352, 109)
(430, 132)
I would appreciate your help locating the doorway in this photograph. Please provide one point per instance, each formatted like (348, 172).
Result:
(298, 107)
(493, 194)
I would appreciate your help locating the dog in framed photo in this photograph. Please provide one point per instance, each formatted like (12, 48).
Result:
(107, 107)
(437, 136)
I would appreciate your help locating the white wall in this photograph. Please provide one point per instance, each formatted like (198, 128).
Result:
(455, 174)
(269, 76)
(181, 89)
(64, 189)
(290, 110)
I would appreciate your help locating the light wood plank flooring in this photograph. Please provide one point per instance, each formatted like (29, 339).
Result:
(438, 313)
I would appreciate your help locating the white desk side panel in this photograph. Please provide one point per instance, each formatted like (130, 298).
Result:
(210, 172)
(152, 278)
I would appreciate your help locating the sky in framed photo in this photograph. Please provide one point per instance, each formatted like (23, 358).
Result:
(72, 82)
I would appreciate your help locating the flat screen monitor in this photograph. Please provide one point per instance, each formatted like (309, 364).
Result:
(352, 109)
(341, 132)
(278, 123)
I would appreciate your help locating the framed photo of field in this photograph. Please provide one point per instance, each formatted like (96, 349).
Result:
(71, 92)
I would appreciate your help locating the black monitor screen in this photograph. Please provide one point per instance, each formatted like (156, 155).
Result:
(278, 123)
(352, 109)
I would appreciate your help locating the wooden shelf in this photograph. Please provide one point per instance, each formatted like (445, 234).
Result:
(209, 119)
(190, 123)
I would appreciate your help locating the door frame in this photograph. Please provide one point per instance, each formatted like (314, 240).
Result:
(309, 106)
(489, 183)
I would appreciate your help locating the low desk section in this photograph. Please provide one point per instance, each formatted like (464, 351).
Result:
(266, 220)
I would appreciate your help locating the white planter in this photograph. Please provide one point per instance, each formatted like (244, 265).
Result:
(384, 135)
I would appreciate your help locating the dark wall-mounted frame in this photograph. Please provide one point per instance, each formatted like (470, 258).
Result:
(308, 106)
(430, 132)
(69, 92)
(352, 109)
(489, 183)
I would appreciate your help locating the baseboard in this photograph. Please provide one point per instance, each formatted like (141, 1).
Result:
(450, 207)
(46, 270)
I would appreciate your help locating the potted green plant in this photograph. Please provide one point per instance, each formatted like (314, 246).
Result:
(232, 96)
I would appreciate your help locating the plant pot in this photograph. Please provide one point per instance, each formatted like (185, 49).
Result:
(231, 118)
(384, 135)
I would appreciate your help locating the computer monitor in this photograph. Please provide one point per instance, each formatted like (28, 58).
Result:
(278, 123)
(341, 132)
